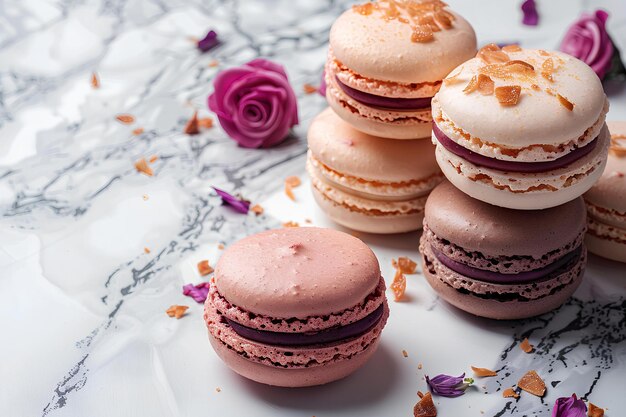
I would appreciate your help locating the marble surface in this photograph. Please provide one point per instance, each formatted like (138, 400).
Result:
(81, 299)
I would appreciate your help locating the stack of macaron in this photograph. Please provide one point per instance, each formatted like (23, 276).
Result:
(523, 133)
(370, 162)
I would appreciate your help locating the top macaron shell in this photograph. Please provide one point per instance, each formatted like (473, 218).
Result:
(610, 190)
(378, 48)
(348, 151)
(538, 117)
(496, 231)
(297, 272)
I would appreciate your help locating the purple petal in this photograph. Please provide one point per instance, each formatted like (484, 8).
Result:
(198, 292)
(241, 206)
(531, 17)
(209, 42)
(569, 407)
(446, 385)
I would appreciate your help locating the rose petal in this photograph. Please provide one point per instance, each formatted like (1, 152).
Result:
(209, 41)
(446, 385)
(239, 205)
(198, 292)
(531, 16)
(569, 407)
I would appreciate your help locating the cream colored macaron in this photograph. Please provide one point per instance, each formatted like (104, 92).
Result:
(606, 202)
(368, 183)
(521, 128)
(386, 61)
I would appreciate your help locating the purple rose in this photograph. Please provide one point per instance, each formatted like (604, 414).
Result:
(588, 41)
(254, 103)
(569, 407)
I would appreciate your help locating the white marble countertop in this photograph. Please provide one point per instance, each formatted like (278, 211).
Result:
(82, 304)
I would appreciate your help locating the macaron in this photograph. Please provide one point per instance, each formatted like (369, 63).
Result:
(521, 128)
(367, 183)
(386, 61)
(296, 307)
(606, 202)
(501, 263)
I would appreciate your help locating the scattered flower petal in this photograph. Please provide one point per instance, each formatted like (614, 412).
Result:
(204, 268)
(309, 88)
(293, 180)
(95, 81)
(291, 224)
(138, 131)
(176, 311)
(425, 407)
(142, 166)
(398, 286)
(510, 393)
(448, 386)
(153, 159)
(569, 407)
(205, 122)
(257, 209)
(209, 42)
(404, 265)
(239, 205)
(191, 127)
(198, 292)
(595, 411)
(526, 346)
(125, 118)
(532, 383)
(531, 16)
(483, 372)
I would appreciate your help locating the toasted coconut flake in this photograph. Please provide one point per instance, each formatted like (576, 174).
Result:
(191, 127)
(398, 286)
(485, 85)
(595, 411)
(204, 268)
(291, 224)
(404, 265)
(257, 209)
(425, 407)
(526, 346)
(471, 86)
(483, 372)
(125, 118)
(176, 311)
(532, 383)
(491, 54)
(138, 131)
(508, 95)
(510, 393)
(511, 48)
(422, 34)
(565, 102)
(142, 166)
(95, 81)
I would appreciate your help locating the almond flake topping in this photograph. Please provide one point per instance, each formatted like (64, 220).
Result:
(565, 102)
(618, 145)
(547, 68)
(511, 48)
(519, 66)
(508, 95)
(491, 54)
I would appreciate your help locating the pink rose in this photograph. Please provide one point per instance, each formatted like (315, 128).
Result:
(588, 41)
(254, 103)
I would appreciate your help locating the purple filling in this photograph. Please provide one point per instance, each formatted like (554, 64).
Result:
(511, 166)
(333, 334)
(373, 100)
(499, 278)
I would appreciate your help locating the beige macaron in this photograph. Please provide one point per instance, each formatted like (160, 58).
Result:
(368, 183)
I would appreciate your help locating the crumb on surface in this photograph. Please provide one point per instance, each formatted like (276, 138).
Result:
(405, 353)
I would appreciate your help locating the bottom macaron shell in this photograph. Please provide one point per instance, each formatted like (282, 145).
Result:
(483, 306)
(291, 377)
(606, 247)
(394, 129)
(454, 168)
(364, 222)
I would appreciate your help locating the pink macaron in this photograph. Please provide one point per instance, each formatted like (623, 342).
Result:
(521, 128)
(386, 61)
(606, 202)
(296, 307)
(367, 183)
(500, 263)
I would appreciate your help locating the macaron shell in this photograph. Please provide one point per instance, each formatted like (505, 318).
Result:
(501, 310)
(478, 226)
(538, 117)
(606, 248)
(610, 190)
(583, 173)
(297, 272)
(379, 122)
(349, 151)
(282, 377)
(363, 222)
(382, 49)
